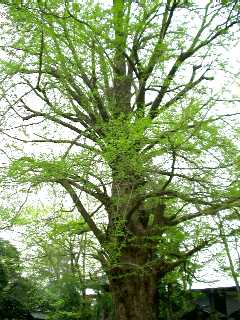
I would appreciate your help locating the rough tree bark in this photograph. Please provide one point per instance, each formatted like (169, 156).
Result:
(135, 296)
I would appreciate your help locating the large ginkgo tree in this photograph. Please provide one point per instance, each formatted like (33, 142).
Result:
(140, 128)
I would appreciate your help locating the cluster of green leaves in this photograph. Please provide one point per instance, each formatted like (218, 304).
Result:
(27, 169)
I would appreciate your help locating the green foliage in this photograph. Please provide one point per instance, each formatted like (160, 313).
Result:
(18, 295)
(57, 262)
(62, 315)
(9, 259)
(126, 87)
(175, 299)
(72, 227)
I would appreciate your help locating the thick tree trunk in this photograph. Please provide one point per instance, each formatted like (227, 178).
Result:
(132, 276)
(135, 296)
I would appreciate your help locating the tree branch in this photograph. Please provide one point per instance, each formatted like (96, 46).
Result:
(86, 216)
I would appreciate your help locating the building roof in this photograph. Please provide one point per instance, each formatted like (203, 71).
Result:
(38, 315)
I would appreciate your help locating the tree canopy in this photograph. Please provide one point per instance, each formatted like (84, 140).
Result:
(126, 98)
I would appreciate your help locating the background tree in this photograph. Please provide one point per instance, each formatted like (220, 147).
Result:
(56, 261)
(126, 87)
(18, 295)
